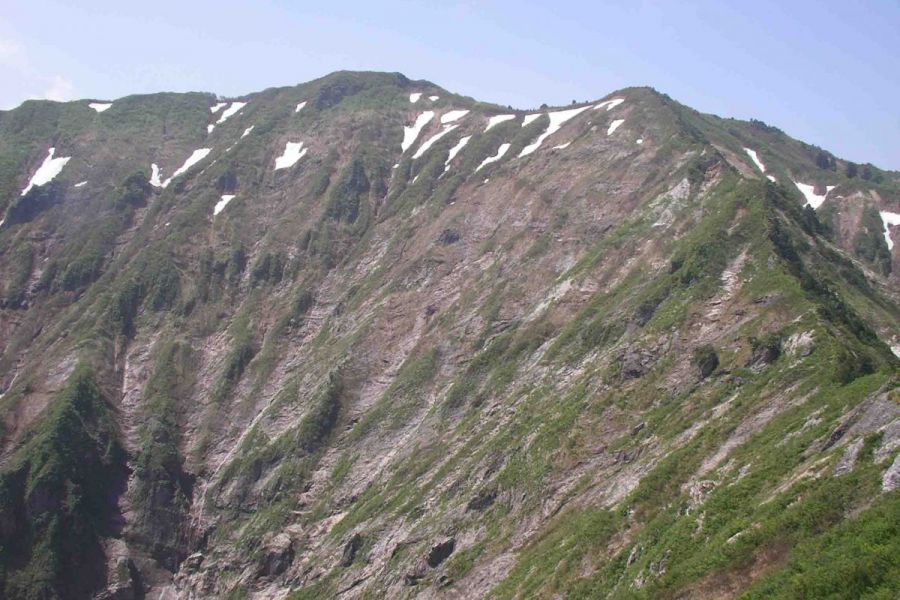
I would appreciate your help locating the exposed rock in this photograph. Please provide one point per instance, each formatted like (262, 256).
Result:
(440, 551)
(279, 553)
(800, 344)
(350, 549)
(891, 480)
(848, 460)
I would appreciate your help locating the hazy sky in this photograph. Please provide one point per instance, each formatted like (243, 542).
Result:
(825, 71)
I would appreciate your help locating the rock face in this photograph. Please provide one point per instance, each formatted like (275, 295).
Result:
(383, 348)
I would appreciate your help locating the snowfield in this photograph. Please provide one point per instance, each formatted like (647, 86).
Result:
(455, 150)
(500, 152)
(415, 97)
(609, 104)
(226, 198)
(556, 121)
(154, 176)
(753, 155)
(889, 219)
(529, 119)
(231, 110)
(614, 125)
(497, 119)
(300, 106)
(453, 115)
(809, 193)
(217, 107)
(293, 151)
(192, 160)
(49, 169)
(100, 106)
(412, 132)
(431, 141)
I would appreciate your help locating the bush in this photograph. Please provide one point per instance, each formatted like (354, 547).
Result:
(706, 360)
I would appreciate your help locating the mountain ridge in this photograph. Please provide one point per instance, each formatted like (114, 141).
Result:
(382, 370)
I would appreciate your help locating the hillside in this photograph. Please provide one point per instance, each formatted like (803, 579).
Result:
(363, 337)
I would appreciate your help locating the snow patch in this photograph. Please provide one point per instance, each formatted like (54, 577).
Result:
(455, 150)
(154, 176)
(49, 169)
(753, 155)
(556, 121)
(890, 220)
(80, 184)
(500, 152)
(530, 119)
(217, 107)
(231, 110)
(192, 160)
(609, 104)
(209, 128)
(293, 151)
(247, 131)
(412, 132)
(433, 98)
(226, 198)
(453, 115)
(415, 97)
(497, 119)
(100, 106)
(614, 125)
(770, 178)
(561, 146)
(433, 139)
(639, 141)
(300, 106)
(813, 199)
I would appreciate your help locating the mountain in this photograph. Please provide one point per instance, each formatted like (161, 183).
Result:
(364, 337)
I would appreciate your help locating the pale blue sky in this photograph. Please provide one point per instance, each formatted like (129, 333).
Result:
(826, 72)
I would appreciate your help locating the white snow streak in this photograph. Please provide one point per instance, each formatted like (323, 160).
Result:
(614, 125)
(226, 198)
(609, 104)
(235, 106)
(300, 106)
(433, 98)
(247, 131)
(890, 220)
(209, 128)
(770, 178)
(455, 150)
(154, 176)
(556, 121)
(500, 152)
(530, 119)
(49, 169)
(433, 139)
(809, 193)
(415, 97)
(453, 115)
(752, 154)
(100, 106)
(293, 151)
(192, 160)
(497, 119)
(561, 146)
(412, 132)
(217, 107)
(80, 184)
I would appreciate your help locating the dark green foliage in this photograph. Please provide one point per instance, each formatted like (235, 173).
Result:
(57, 497)
(22, 261)
(162, 489)
(38, 199)
(268, 269)
(706, 360)
(852, 170)
(448, 236)
(352, 188)
(319, 422)
(825, 161)
(134, 191)
(869, 243)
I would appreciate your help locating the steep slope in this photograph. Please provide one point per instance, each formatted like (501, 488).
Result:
(364, 337)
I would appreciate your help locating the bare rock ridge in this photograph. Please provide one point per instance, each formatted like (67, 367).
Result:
(363, 337)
